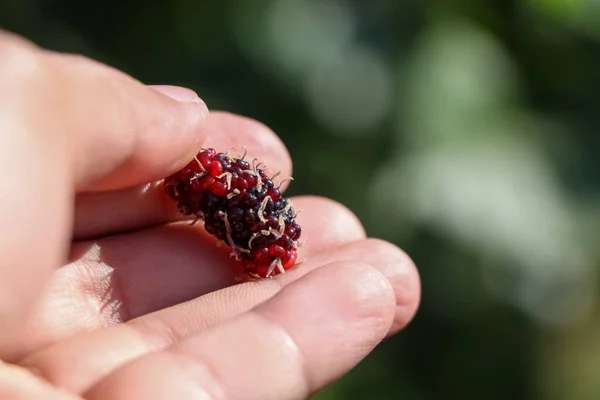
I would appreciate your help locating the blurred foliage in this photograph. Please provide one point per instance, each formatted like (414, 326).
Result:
(465, 132)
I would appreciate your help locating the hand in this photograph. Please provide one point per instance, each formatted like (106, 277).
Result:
(106, 293)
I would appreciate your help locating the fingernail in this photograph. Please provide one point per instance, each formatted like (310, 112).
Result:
(178, 93)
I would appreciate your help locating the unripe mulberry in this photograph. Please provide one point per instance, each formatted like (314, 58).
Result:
(241, 206)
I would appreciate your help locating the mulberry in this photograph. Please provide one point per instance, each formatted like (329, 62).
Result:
(241, 206)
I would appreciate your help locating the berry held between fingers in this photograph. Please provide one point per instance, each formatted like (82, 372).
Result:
(241, 206)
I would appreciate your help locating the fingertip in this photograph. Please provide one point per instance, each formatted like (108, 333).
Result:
(398, 268)
(356, 292)
(408, 295)
(402, 273)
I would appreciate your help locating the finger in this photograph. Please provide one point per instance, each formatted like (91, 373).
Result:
(88, 357)
(102, 213)
(70, 122)
(392, 261)
(314, 331)
(153, 269)
(130, 133)
(180, 321)
(18, 383)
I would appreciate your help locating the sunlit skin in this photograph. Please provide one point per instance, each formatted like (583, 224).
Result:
(106, 293)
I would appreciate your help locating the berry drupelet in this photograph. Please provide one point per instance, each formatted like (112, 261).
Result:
(241, 206)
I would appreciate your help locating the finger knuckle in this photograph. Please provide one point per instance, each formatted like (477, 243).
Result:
(22, 71)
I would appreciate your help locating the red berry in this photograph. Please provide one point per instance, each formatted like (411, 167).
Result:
(290, 258)
(207, 182)
(185, 173)
(219, 189)
(276, 251)
(252, 180)
(194, 167)
(260, 253)
(293, 231)
(274, 193)
(240, 183)
(196, 185)
(205, 158)
(261, 270)
(215, 168)
(241, 206)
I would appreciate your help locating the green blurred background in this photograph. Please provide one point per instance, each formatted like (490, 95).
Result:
(464, 131)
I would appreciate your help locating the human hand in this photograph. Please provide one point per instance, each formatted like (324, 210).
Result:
(106, 293)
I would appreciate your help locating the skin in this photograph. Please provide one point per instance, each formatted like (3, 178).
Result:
(105, 292)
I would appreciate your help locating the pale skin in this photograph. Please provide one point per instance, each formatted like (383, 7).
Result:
(105, 293)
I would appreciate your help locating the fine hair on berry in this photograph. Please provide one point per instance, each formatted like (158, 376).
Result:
(241, 206)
